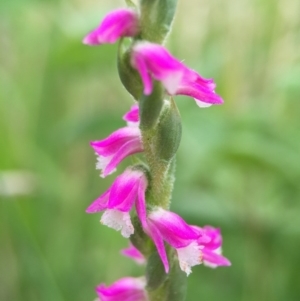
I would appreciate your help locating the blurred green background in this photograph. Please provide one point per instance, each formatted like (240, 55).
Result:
(238, 164)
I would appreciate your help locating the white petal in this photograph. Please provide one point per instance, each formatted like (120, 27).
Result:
(209, 264)
(101, 164)
(202, 104)
(189, 256)
(118, 220)
(133, 123)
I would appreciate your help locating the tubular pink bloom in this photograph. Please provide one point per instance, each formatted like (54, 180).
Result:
(132, 117)
(118, 23)
(167, 226)
(203, 96)
(154, 60)
(116, 147)
(133, 253)
(128, 189)
(211, 246)
(125, 289)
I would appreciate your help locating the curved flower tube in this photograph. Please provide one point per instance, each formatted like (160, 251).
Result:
(125, 289)
(153, 60)
(128, 189)
(116, 24)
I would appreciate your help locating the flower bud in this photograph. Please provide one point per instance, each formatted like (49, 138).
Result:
(168, 134)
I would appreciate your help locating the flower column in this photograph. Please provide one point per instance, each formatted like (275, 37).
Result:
(152, 76)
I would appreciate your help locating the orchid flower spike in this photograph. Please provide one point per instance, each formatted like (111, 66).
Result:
(133, 253)
(128, 189)
(163, 225)
(211, 247)
(118, 23)
(153, 60)
(125, 289)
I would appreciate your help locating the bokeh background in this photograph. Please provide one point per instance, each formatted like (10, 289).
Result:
(238, 164)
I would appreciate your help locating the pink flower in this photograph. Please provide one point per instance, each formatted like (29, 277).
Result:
(132, 117)
(211, 247)
(154, 60)
(120, 144)
(118, 23)
(125, 289)
(133, 253)
(116, 147)
(167, 226)
(128, 189)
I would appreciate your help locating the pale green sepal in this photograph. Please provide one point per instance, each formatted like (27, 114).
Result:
(129, 77)
(150, 107)
(168, 133)
(156, 19)
(155, 272)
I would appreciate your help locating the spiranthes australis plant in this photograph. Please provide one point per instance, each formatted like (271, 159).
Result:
(138, 202)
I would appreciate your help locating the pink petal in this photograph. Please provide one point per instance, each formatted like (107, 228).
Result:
(154, 233)
(124, 190)
(141, 66)
(132, 117)
(213, 259)
(215, 237)
(191, 76)
(113, 142)
(116, 24)
(125, 289)
(129, 148)
(100, 203)
(156, 60)
(174, 230)
(141, 201)
(199, 92)
(133, 253)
